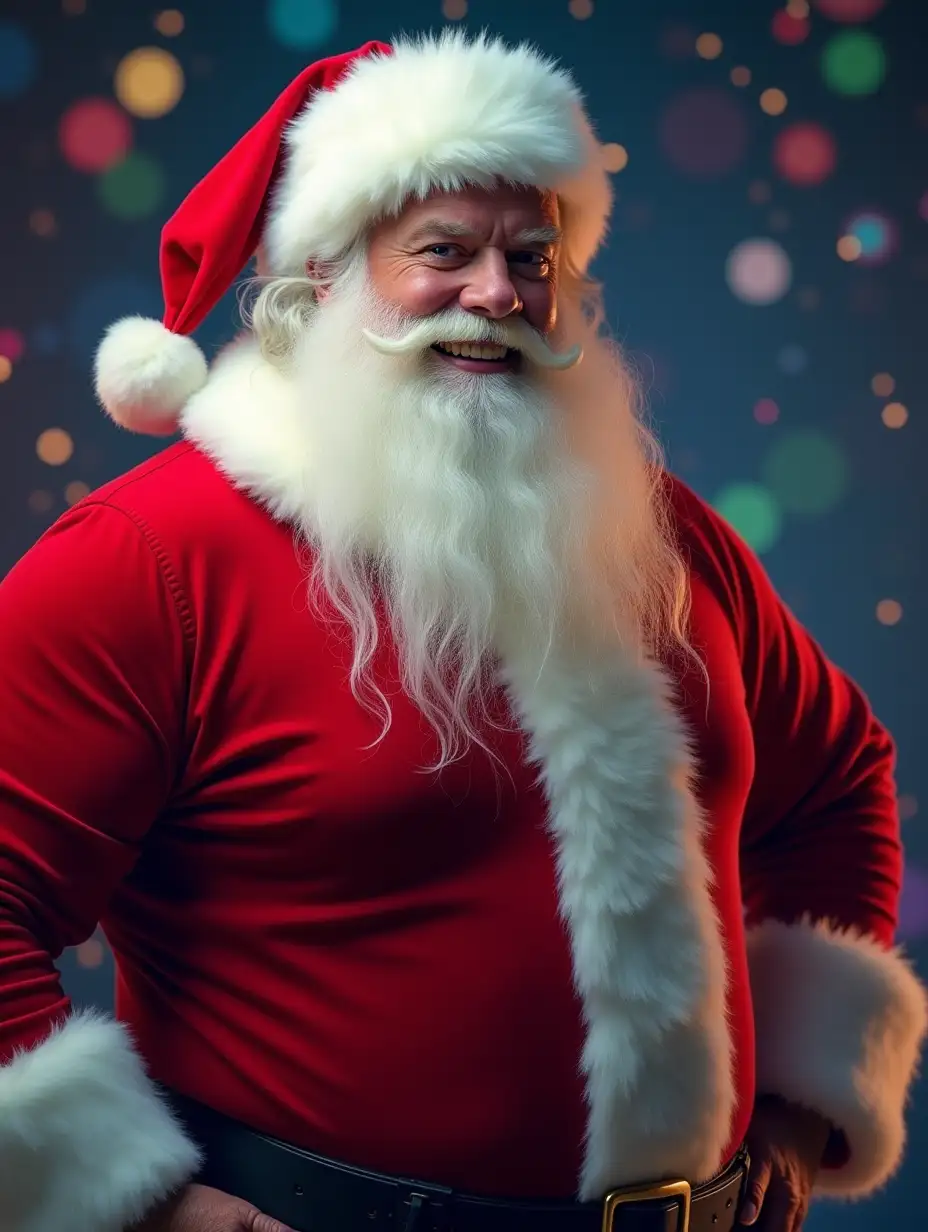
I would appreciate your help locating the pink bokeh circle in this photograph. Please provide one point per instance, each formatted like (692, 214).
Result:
(805, 154)
(12, 344)
(94, 134)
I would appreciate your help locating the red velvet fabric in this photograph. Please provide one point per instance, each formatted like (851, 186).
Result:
(324, 942)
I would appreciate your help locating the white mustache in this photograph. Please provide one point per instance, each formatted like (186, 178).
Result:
(466, 328)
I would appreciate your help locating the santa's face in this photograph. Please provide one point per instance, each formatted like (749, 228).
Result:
(491, 254)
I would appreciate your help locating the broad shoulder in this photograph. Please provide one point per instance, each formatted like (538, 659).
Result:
(181, 500)
(715, 555)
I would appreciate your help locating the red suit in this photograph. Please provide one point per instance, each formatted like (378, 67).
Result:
(347, 954)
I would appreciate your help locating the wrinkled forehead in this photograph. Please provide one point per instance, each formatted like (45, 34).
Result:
(513, 212)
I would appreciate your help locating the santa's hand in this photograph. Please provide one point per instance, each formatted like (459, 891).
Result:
(197, 1208)
(786, 1144)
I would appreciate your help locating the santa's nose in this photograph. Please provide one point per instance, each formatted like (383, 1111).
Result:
(490, 291)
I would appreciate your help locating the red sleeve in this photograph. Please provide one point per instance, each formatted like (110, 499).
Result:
(821, 829)
(839, 1015)
(91, 704)
(820, 833)
(92, 669)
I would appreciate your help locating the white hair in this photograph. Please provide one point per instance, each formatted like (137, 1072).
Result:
(443, 609)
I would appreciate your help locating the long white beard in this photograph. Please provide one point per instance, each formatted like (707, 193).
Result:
(452, 498)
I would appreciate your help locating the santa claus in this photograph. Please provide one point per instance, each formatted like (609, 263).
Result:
(458, 799)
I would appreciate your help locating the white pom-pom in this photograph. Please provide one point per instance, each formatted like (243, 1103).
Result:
(145, 375)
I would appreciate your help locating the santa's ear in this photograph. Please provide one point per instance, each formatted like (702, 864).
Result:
(315, 273)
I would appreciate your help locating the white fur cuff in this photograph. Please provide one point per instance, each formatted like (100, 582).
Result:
(86, 1142)
(840, 1022)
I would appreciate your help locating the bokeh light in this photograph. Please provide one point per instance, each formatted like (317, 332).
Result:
(848, 247)
(740, 76)
(849, 11)
(90, 953)
(93, 134)
(54, 447)
(854, 63)
(42, 222)
(6, 369)
(133, 188)
(805, 154)
(883, 384)
(758, 271)
(12, 345)
(100, 304)
(18, 59)
(766, 411)
(678, 41)
(614, 156)
(797, 8)
(908, 807)
(759, 192)
(889, 611)
(169, 22)
(788, 28)
(704, 133)
(792, 359)
(581, 10)
(708, 46)
(40, 501)
(876, 234)
(454, 10)
(807, 472)
(149, 82)
(913, 903)
(773, 102)
(75, 491)
(301, 24)
(753, 512)
(895, 415)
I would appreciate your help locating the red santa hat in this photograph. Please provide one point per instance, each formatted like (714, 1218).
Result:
(349, 142)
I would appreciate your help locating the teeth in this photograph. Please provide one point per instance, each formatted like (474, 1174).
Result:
(474, 350)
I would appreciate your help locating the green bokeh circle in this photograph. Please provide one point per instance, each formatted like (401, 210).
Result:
(854, 62)
(132, 188)
(807, 472)
(753, 512)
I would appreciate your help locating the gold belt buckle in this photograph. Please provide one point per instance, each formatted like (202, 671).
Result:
(681, 1191)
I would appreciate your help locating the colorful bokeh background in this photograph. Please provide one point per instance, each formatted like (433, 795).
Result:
(767, 271)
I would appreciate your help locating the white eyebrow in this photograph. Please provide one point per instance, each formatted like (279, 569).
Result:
(549, 234)
(539, 235)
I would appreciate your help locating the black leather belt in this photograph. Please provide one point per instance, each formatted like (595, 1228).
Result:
(315, 1194)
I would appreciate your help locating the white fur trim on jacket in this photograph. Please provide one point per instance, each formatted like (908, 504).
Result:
(86, 1142)
(840, 1022)
(439, 113)
(648, 959)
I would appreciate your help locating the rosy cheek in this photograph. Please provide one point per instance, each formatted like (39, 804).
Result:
(539, 305)
(426, 291)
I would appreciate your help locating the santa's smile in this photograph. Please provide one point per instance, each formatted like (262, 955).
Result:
(477, 356)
